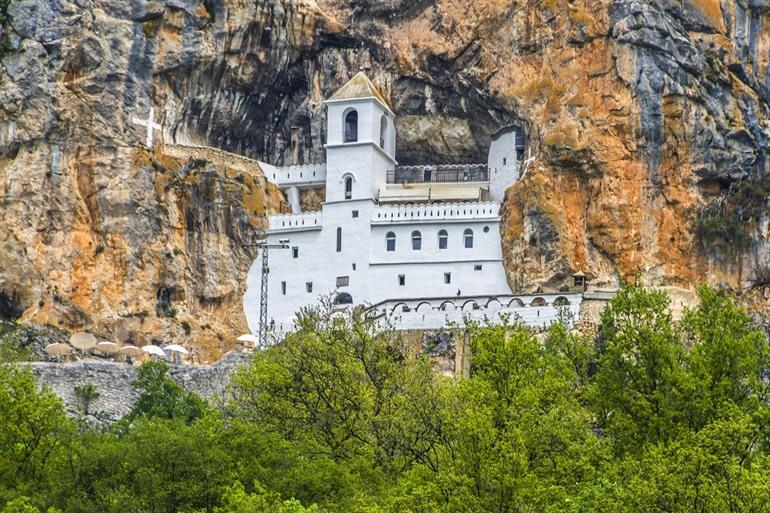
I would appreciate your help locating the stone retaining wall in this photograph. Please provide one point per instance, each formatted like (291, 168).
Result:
(113, 383)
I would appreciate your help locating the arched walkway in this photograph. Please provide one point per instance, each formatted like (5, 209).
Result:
(343, 299)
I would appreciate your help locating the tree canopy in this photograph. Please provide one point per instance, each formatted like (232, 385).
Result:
(343, 415)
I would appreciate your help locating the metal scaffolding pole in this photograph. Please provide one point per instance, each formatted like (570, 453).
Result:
(282, 244)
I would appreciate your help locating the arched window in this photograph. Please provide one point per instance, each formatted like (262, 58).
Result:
(348, 187)
(416, 240)
(443, 239)
(351, 126)
(390, 241)
(383, 130)
(468, 237)
(343, 299)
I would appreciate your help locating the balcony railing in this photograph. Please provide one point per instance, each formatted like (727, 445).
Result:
(451, 173)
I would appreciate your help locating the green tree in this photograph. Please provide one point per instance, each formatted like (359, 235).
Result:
(236, 500)
(728, 358)
(639, 379)
(86, 394)
(33, 428)
(162, 398)
(349, 386)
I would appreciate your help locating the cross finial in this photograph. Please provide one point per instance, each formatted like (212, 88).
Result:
(150, 124)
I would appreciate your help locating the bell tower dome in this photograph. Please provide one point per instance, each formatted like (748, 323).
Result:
(360, 141)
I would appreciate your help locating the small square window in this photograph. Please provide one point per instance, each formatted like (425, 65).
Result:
(343, 281)
(355, 214)
(405, 308)
(309, 286)
(401, 280)
(283, 288)
(295, 252)
(477, 267)
(447, 277)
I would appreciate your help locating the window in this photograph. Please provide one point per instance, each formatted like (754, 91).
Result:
(468, 237)
(351, 126)
(343, 281)
(355, 214)
(383, 130)
(401, 280)
(416, 240)
(390, 241)
(447, 277)
(354, 266)
(348, 187)
(309, 286)
(283, 288)
(443, 239)
(477, 267)
(486, 229)
(339, 239)
(295, 252)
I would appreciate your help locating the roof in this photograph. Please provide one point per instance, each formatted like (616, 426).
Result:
(359, 87)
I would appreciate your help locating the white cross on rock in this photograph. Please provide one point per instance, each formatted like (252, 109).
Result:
(150, 124)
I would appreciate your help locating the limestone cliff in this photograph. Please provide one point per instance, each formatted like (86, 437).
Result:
(647, 123)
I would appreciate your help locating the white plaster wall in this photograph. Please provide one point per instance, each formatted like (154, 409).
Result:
(486, 246)
(309, 174)
(502, 163)
(318, 262)
(292, 194)
(367, 112)
(375, 278)
(429, 315)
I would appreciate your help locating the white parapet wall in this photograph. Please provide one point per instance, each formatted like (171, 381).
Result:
(410, 213)
(534, 310)
(308, 175)
(295, 222)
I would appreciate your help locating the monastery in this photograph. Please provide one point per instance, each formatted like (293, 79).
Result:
(420, 244)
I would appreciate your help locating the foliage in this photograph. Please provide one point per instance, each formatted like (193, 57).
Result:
(14, 340)
(722, 227)
(87, 394)
(162, 398)
(33, 426)
(652, 415)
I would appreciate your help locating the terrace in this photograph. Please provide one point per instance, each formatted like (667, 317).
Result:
(451, 173)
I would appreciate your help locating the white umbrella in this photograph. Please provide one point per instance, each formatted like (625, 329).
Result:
(131, 350)
(105, 346)
(176, 348)
(248, 338)
(82, 341)
(58, 349)
(153, 350)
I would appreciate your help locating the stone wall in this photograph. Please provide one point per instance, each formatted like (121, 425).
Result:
(113, 383)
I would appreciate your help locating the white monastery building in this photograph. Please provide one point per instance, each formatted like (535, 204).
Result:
(419, 243)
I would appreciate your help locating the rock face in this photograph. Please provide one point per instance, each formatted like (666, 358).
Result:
(647, 126)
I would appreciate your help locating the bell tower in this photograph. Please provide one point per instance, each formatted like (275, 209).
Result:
(360, 141)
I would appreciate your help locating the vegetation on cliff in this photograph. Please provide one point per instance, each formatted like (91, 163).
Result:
(652, 415)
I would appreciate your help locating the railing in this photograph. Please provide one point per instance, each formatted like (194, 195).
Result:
(304, 221)
(451, 173)
(389, 214)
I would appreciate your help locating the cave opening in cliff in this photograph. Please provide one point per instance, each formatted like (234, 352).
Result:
(10, 305)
